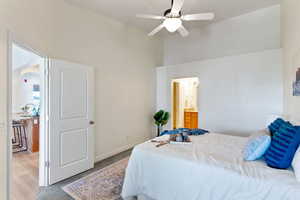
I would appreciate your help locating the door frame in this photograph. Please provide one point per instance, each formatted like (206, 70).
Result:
(172, 80)
(43, 139)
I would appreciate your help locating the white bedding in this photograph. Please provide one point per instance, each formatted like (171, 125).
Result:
(211, 168)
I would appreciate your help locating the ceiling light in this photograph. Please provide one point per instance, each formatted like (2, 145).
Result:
(172, 24)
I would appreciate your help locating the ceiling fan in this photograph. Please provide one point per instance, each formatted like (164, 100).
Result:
(173, 18)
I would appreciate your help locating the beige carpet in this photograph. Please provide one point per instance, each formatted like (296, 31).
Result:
(105, 184)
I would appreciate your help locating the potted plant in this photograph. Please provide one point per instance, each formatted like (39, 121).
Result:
(161, 118)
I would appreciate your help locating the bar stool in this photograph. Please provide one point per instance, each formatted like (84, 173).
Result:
(19, 140)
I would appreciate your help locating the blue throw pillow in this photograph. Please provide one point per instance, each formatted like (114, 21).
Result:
(256, 147)
(283, 147)
(274, 126)
(198, 131)
(195, 131)
(170, 132)
(184, 129)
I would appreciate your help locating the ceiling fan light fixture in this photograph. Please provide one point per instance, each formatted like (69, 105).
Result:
(173, 19)
(172, 24)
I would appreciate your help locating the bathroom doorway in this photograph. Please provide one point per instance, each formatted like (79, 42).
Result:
(185, 103)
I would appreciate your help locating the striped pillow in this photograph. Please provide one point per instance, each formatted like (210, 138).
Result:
(283, 147)
(274, 126)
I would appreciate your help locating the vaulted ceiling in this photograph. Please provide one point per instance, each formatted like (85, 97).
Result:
(125, 10)
(23, 58)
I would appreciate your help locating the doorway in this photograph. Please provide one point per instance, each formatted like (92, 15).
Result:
(26, 88)
(185, 103)
(51, 111)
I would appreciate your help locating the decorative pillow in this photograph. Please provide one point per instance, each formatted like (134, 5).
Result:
(257, 145)
(274, 126)
(198, 131)
(170, 132)
(189, 131)
(296, 164)
(283, 147)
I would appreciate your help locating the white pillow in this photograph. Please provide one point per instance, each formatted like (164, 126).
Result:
(296, 164)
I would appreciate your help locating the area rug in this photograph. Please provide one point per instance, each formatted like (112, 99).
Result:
(104, 184)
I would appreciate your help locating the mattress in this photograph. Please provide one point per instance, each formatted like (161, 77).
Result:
(211, 168)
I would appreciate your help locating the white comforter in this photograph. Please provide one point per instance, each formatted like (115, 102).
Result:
(211, 168)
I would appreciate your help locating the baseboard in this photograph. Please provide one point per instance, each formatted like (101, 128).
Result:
(116, 151)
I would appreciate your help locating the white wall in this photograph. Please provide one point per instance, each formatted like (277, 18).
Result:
(252, 32)
(22, 93)
(236, 94)
(124, 58)
(291, 55)
(3, 116)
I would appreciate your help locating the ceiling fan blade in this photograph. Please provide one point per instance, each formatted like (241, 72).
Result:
(176, 7)
(183, 32)
(201, 16)
(156, 30)
(146, 16)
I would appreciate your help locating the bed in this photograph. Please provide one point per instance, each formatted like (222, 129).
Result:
(211, 168)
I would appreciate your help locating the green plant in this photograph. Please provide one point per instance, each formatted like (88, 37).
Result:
(161, 118)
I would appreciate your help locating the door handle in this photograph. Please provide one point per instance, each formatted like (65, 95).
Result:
(92, 122)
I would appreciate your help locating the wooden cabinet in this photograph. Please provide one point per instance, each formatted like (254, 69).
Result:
(191, 120)
(33, 133)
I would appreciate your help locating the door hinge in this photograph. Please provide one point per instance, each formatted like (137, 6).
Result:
(47, 164)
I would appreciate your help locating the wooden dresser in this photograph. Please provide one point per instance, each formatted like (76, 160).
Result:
(190, 119)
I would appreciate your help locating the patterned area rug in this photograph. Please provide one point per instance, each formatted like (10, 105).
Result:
(105, 184)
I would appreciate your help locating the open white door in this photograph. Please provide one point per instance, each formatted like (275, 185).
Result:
(71, 116)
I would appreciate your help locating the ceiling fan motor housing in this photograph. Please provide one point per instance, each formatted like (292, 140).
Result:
(167, 13)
